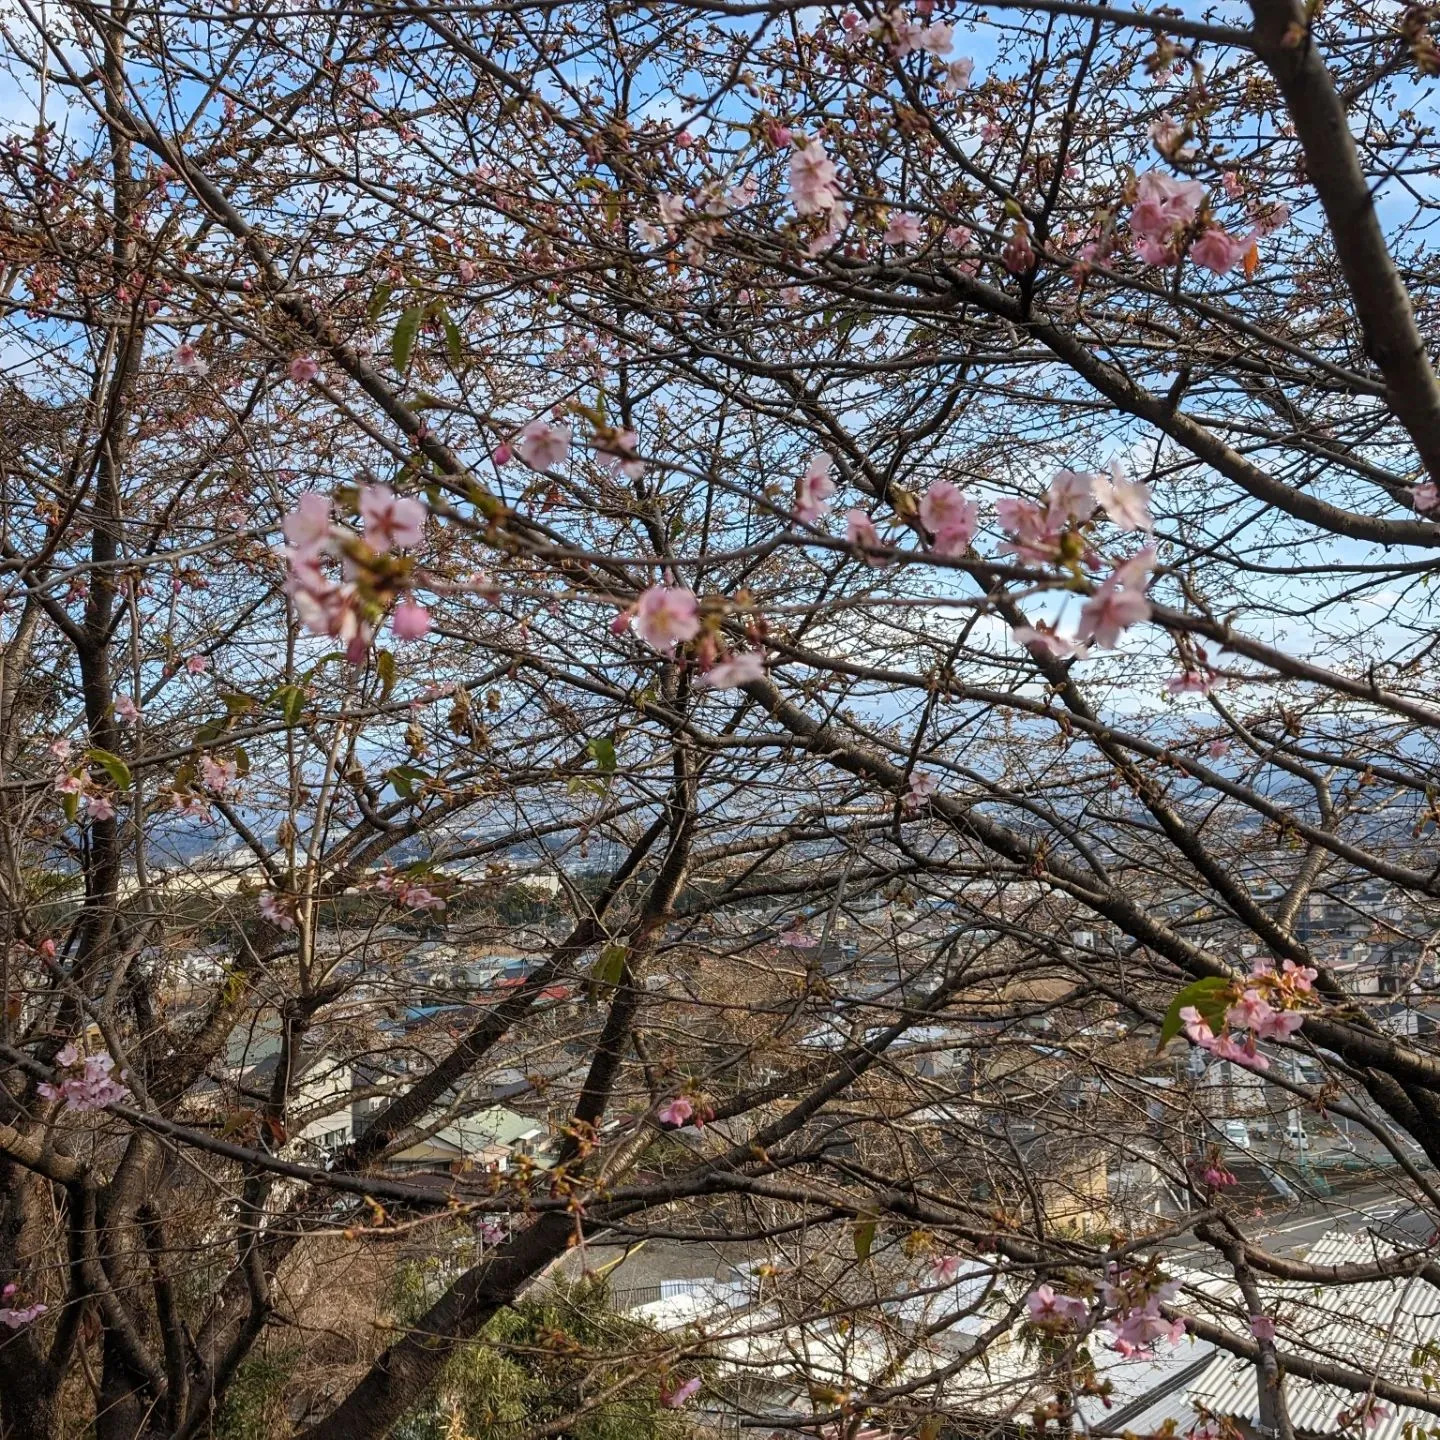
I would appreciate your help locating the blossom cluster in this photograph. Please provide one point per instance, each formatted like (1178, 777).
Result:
(14, 1316)
(682, 1110)
(74, 780)
(348, 608)
(1135, 1298)
(673, 1399)
(89, 1085)
(666, 616)
(407, 893)
(1265, 1008)
(1051, 1310)
(279, 910)
(1165, 214)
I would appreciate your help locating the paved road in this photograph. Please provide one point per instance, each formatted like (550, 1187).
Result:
(1367, 1207)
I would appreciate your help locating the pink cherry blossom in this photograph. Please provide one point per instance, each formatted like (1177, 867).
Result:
(619, 450)
(502, 454)
(126, 709)
(1048, 1307)
(1196, 1026)
(814, 489)
(1191, 682)
(99, 807)
(410, 621)
(1138, 1331)
(303, 369)
(1262, 1327)
(1249, 1012)
(674, 1399)
(672, 211)
(813, 187)
(197, 664)
(950, 516)
(1034, 530)
(678, 1111)
(1217, 1177)
(391, 521)
(860, 531)
(1226, 1047)
(542, 446)
(92, 1089)
(1126, 502)
(798, 939)
(945, 1268)
(276, 911)
(1163, 208)
(922, 787)
(1109, 612)
(307, 526)
(1018, 256)
(1278, 1024)
(1165, 132)
(325, 608)
(69, 784)
(216, 774)
(186, 359)
(1217, 251)
(903, 229)
(14, 1316)
(839, 216)
(1301, 977)
(1154, 251)
(1368, 1411)
(1070, 496)
(1048, 642)
(1425, 497)
(958, 74)
(741, 668)
(938, 39)
(667, 615)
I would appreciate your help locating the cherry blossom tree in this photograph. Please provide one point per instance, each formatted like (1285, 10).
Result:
(916, 519)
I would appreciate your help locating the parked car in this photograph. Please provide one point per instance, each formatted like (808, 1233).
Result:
(1236, 1133)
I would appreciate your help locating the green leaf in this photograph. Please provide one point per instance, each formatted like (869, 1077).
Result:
(1210, 996)
(403, 779)
(290, 700)
(385, 669)
(602, 752)
(242, 762)
(70, 804)
(378, 301)
(211, 730)
(237, 704)
(864, 1239)
(611, 964)
(454, 344)
(112, 765)
(403, 340)
(607, 970)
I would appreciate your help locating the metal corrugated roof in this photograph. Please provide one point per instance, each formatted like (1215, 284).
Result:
(1373, 1328)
